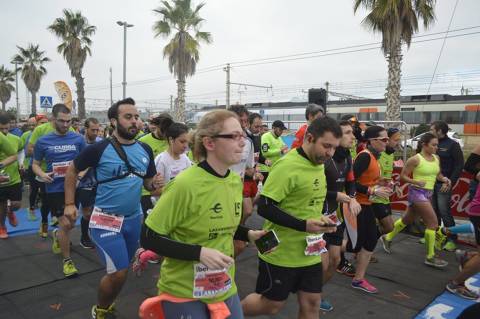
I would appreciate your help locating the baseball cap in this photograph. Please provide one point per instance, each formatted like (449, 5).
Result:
(279, 124)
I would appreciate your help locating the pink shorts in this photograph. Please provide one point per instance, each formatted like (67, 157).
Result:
(416, 195)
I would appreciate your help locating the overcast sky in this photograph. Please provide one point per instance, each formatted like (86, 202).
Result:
(245, 30)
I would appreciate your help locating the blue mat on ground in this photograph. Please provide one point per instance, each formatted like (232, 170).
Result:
(449, 306)
(25, 226)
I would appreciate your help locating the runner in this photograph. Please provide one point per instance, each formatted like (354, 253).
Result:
(273, 147)
(195, 221)
(169, 164)
(425, 169)
(10, 185)
(14, 129)
(122, 165)
(292, 202)
(85, 196)
(250, 185)
(470, 266)
(158, 143)
(27, 163)
(381, 206)
(312, 112)
(363, 239)
(451, 164)
(340, 189)
(58, 149)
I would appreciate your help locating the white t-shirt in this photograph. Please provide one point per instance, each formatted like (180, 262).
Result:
(170, 167)
(248, 159)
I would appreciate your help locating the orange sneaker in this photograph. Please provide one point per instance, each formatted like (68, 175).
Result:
(3, 232)
(12, 219)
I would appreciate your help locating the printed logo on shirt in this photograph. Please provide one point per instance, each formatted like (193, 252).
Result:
(238, 208)
(63, 148)
(265, 147)
(316, 184)
(217, 208)
(144, 160)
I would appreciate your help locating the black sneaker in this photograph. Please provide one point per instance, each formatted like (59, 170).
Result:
(346, 269)
(86, 243)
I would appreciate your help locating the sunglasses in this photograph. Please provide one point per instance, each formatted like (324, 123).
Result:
(382, 139)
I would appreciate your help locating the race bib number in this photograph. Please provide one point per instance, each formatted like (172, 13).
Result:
(210, 283)
(104, 221)
(60, 168)
(334, 218)
(316, 245)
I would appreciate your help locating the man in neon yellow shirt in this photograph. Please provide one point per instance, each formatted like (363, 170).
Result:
(273, 147)
(292, 203)
(10, 186)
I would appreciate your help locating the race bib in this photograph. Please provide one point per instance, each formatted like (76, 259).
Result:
(60, 168)
(316, 245)
(334, 218)
(104, 221)
(210, 283)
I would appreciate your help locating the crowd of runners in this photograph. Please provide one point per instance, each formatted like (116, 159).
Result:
(163, 193)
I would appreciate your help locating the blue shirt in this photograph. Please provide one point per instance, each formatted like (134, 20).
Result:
(16, 131)
(88, 180)
(58, 151)
(120, 196)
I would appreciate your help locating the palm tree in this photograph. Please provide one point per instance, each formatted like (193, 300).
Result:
(31, 62)
(183, 49)
(75, 32)
(6, 88)
(397, 20)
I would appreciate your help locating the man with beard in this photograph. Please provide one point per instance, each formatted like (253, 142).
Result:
(292, 203)
(58, 149)
(122, 166)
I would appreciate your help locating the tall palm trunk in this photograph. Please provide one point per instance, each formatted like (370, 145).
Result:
(3, 105)
(80, 96)
(34, 102)
(394, 87)
(180, 107)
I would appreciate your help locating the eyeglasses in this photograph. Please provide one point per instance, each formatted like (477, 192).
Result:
(382, 139)
(234, 136)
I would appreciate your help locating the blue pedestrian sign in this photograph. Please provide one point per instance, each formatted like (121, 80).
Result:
(46, 102)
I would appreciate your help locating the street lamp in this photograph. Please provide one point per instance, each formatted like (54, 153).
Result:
(15, 62)
(125, 25)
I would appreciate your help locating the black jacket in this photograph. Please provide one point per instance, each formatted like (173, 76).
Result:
(451, 158)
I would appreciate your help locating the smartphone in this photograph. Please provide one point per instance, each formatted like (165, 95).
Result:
(267, 242)
(329, 225)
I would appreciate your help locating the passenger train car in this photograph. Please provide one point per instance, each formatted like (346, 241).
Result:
(462, 112)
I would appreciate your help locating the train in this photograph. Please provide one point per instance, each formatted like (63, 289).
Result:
(461, 112)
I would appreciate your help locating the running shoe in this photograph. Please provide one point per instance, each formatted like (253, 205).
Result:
(99, 313)
(43, 231)
(436, 262)
(86, 243)
(462, 257)
(138, 265)
(54, 221)
(3, 232)
(69, 269)
(346, 269)
(450, 246)
(12, 218)
(373, 259)
(421, 240)
(56, 245)
(440, 238)
(364, 285)
(387, 244)
(326, 306)
(461, 291)
(31, 215)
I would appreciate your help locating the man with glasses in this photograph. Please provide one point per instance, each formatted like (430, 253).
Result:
(312, 112)
(58, 149)
(367, 173)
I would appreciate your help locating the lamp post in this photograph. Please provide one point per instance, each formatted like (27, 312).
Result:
(125, 25)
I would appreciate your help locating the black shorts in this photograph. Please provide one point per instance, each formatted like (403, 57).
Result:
(56, 203)
(335, 238)
(11, 192)
(476, 225)
(276, 282)
(367, 232)
(85, 197)
(381, 210)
